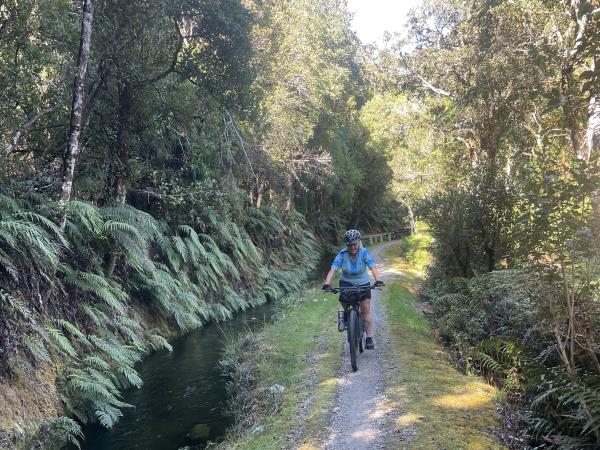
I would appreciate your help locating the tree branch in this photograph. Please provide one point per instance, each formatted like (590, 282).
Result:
(171, 68)
(25, 127)
(428, 85)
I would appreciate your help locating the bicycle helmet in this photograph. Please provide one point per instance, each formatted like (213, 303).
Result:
(352, 237)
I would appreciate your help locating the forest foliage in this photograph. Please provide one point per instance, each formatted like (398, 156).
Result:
(495, 104)
(162, 166)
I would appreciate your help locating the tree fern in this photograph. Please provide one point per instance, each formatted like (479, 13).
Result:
(97, 362)
(46, 223)
(106, 290)
(98, 318)
(30, 242)
(132, 231)
(8, 264)
(86, 214)
(168, 253)
(132, 377)
(68, 428)
(108, 415)
(75, 332)
(220, 313)
(8, 205)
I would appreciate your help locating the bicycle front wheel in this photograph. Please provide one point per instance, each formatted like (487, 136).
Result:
(353, 336)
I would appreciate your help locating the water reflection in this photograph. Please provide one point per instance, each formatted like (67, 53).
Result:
(183, 397)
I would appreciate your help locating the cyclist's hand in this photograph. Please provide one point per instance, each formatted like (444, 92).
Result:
(326, 287)
(379, 283)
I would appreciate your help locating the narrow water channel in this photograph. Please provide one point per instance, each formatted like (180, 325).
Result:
(183, 397)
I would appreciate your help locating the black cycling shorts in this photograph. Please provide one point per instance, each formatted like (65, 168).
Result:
(355, 296)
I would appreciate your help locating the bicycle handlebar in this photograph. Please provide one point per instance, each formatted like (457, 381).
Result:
(337, 290)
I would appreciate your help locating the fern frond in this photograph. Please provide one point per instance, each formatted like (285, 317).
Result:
(17, 305)
(108, 415)
(102, 288)
(36, 347)
(61, 341)
(131, 376)
(98, 317)
(88, 214)
(8, 204)
(74, 331)
(47, 223)
(97, 362)
(158, 342)
(69, 429)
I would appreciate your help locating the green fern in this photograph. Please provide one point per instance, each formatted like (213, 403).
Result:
(97, 362)
(16, 305)
(36, 347)
(62, 343)
(106, 290)
(157, 342)
(98, 318)
(75, 332)
(88, 215)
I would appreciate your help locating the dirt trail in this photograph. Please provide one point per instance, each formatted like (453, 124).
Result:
(363, 415)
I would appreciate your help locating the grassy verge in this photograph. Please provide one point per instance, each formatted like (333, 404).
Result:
(299, 351)
(441, 407)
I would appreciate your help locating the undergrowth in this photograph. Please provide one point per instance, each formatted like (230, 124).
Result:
(440, 407)
(510, 325)
(116, 282)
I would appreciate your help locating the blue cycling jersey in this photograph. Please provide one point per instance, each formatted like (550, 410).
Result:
(354, 270)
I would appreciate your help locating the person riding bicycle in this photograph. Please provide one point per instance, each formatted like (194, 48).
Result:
(354, 261)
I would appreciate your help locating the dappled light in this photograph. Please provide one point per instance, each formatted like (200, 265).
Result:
(408, 419)
(470, 396)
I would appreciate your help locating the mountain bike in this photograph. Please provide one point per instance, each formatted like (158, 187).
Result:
(355, 325)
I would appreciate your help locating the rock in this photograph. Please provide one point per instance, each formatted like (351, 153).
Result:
(17, 433)
(199, 432)
(277, 389)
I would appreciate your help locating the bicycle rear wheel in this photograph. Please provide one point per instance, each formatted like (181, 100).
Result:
(353, 332)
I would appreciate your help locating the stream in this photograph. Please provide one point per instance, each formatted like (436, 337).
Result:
(183, 398)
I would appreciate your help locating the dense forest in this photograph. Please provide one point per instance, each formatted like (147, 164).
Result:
(165, 164)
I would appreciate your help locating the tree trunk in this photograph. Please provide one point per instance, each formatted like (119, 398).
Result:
(70, 157)
(411, 217)
(289, 202)
(260, 193)
(593, 143)
(120, 170)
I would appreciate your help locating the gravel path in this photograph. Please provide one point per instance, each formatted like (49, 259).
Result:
(363, 415)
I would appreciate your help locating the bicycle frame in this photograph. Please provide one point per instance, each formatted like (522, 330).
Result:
(355, 330)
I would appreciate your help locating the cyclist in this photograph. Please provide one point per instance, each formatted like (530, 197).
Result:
(354, 261)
